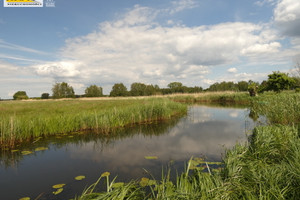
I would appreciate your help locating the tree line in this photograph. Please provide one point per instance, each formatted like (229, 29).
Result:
(277, 81)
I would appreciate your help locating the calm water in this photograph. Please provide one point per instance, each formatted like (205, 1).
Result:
(204, 132)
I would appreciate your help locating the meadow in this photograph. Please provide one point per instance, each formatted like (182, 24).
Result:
(266, 167)
(23, 121)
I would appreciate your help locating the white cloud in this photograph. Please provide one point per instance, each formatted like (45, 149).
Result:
(58, 69)
(15, 47)
(287, 17)
(232, 70)
(182, 5)
(264, 2)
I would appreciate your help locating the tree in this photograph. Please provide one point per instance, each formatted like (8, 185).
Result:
(252, 88)
(20, 95)
(279, 81)
(45, 96)
(242, 85)
(138, 89)
(176, 87)
(119, 89)
(93, 91)
(63, 90)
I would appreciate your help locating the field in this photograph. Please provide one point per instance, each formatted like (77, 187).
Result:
(22, 121)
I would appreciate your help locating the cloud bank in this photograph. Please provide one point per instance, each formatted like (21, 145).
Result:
(138, 49)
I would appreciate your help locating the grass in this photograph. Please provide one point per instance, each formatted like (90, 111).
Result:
(282, 108)
(213, 97)
(22, 121)
(266, 167)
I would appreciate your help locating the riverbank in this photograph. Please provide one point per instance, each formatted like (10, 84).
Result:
(23, 121)
(266, 167)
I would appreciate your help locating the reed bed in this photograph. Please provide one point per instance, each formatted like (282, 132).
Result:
(282, 108)
(23, 121)
(213, 97)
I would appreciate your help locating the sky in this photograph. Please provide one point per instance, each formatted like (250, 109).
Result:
(195, 42)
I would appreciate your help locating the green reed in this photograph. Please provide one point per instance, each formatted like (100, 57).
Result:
(283, 108)
(22, 121)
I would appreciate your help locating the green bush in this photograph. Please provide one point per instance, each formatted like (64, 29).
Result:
(20, 95)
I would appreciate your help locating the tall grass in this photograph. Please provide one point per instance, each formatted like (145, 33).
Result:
(23, 121)
(213, 97)
(282, 108)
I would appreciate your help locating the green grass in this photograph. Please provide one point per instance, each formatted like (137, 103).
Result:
(25, 120)
(282, 108)
(214, 97)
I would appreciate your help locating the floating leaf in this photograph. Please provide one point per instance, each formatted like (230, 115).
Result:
(105, 174)
(59, 190)
(79, 178)
(70, 136)
(58, 186)
(25, 198)
(15, 150)
(26, 152)
(40, 148)
(151, 157)
(117, 185)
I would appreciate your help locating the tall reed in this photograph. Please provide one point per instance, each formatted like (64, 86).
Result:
(22, 121)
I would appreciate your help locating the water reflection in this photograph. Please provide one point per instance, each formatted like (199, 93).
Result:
(204, 132)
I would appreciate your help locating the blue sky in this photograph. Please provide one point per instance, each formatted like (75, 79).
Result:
(149, 41)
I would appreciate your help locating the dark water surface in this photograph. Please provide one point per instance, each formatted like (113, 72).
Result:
(205, 132)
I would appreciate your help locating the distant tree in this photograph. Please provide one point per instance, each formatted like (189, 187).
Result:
(119, 89)
(45, 96)
(93, 91)
(150, 90)
(262, 87)
(62, 90)
(242, 85)
(176, 87)
(279, 81)
(20, 95)
(138, 89)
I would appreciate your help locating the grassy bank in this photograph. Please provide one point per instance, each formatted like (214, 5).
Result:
(25, 120)
(213, 97)
(267, 167)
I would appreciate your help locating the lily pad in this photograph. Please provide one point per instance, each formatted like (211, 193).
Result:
(57, 186)
(151, 157)
(79, 178)
(15, 150)
(26, 152)
(25, 198)
(105, 174)
(40, 148)
(58, 191)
